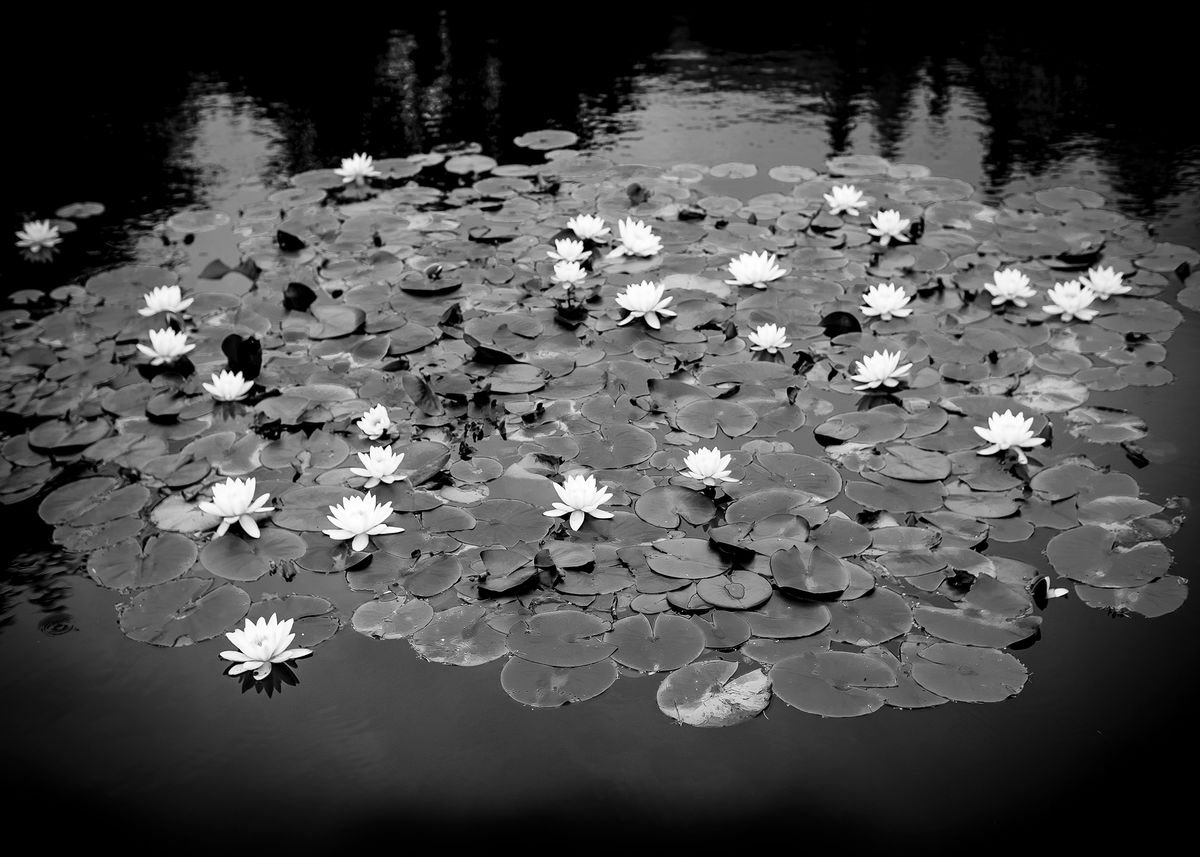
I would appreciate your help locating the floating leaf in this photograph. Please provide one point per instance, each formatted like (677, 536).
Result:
(182, 612)
(702, 694)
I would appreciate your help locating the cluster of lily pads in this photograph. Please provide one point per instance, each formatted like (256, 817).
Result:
(706, 494)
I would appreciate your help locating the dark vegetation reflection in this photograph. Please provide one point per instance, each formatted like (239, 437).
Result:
(121, 112)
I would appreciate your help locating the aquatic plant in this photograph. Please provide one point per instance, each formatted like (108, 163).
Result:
(755, 269)
(234, 503)
(262, 644)
(644, 300)
(865, 555)
(578, 497)
(38, 236)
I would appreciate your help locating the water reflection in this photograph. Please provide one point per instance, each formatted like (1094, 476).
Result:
(1003, 104)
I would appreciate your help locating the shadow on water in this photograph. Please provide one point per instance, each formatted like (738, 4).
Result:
(151, 125)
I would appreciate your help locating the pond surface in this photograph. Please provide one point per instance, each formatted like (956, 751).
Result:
(155, 746)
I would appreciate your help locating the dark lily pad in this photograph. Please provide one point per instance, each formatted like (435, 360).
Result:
(832, 684)
(128, 565)
(182, 612)
(235, 557)
(541, 686)
(966, 673)
(392, 620)
(1090, 555)
(459, 636)
(668, 644)
(563, 638)
(821, 575)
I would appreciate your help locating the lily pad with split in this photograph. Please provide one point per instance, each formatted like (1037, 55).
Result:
(832, 684)
(459, 636)
(965, 673)
(541, 686)
(667, 644)
(182, 612)
(392, 620)
(563, 638)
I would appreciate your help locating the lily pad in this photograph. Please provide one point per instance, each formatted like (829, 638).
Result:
(182, 612)
(703, 694)
(541, 686)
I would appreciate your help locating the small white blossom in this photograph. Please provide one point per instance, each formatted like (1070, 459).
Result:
(1006, 431)
(261, 644)
(379, 466)
(375, 422)
(357, 169)
(566, 250)
(166, 346)
(359, 518)
(1071, 300)
(568, 274)
(645, 300)
(637, 239)
(707, 465)
(889, 226)
(234, 502)
(580, 497)
(228, 386)
(845, 198)
(769, 338)
(589, 226)
(887, 301)
(1105, 282)
(164, 299)
(1010, 285)
(755, 269)
(38, 235)
(879, 369)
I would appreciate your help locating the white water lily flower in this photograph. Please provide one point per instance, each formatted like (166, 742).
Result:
(887, 301)
(889, 226)
(38, 235)
(769, 338)
(359, 518)
(1050, 591)
(375, 422)
(645, 300)
(637, 239)
(1105, 282)
(879, 369)
(580, 497)
(566, 250)
(755, 269)
(1071, 300)
(164, 299)
(569, 274)
(379, 465)
(234, 501)
(261, 644)
(357, 169)
(845, 198)
(1010, 285)
(228, 386)
(707, 466)
(166, 346)
(1006, 431)
(589, 226)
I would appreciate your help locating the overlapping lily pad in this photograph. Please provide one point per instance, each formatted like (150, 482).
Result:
(852, 518)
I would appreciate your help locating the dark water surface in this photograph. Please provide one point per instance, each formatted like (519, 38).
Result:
(155, 748)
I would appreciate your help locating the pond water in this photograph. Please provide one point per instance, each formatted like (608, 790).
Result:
(154, 747)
